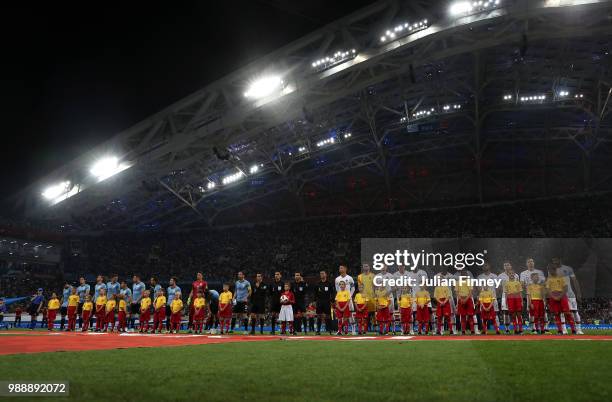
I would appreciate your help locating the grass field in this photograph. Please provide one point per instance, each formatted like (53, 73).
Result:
(331, 371)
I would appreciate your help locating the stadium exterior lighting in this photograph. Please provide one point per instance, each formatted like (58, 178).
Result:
(327, 141)
(507, 97)
(338, 57)
(563, 94)
(403, 29)
(60, 191)
(264, 86)
(210, 185)
(233, 178)
(107, 167)
(302, 149)
(56, 190)
(532, 98)
(254, 169)
(461, 8)
(347, 135)
(579, 96)
(448, 108)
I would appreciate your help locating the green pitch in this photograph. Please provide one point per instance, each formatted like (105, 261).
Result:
(331, 371)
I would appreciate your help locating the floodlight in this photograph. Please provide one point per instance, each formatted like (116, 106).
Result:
(460, 7)
(233, 177)
(254, 169)
(54, 191)
(402, 30)
(264, 86)
(107, 167)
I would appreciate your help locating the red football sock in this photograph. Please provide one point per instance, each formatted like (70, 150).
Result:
(570, 318)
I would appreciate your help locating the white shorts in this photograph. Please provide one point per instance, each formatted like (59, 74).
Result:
(504, 303)
(495, 305)
(573, 304)
(286, 313)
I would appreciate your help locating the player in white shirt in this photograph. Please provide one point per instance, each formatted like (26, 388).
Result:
(401, 273)
(487, 274)
(505, 277)
(350, 286)
(525, 276)
(525, 279)
(572, 297)
(346, 278)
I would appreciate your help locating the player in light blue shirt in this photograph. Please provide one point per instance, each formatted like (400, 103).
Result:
(99, 285)
(125, 293)
(241, 299)
(112, 287)
(64, 308)
(171, 291)
(138, 288)
(82, 290)
(155, 286)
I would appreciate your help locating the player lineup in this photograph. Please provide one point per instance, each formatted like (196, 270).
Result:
(405, 301)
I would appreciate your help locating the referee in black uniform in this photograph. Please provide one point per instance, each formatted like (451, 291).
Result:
(324, 296)
(276, 288)
(300, 289)
(259, 294)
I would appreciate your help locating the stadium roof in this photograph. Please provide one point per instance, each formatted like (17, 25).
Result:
(402, 104)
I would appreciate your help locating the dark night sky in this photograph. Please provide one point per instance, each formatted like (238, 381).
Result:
(75, 76)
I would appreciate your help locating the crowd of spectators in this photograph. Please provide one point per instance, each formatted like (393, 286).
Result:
(596, 310)
(27, 230)
(310, 245)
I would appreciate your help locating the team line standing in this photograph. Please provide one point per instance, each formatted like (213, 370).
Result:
(337, 305)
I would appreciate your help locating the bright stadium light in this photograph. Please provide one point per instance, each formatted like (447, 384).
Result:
(532, 98)
(56, 190)
(233, 178)
(254, 169)
(330, 61)
(60, 191)
(460, 8)
(327, 141)
(507, 97)
(403, 29)
(210, 185)
(264, 86)
(107, 167)
(563, 94)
